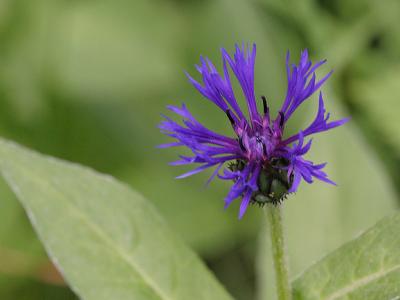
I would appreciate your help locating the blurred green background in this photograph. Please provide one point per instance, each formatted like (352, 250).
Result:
(86, 81)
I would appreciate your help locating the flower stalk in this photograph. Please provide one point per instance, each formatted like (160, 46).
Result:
(274, 218)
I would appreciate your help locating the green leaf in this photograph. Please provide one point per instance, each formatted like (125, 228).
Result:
(21, 254)
(25, 271)
(107, 240)
(15, 231)
(319, 217)
(365, 268)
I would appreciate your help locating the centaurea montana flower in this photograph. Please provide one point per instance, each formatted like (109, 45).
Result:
(264, 166)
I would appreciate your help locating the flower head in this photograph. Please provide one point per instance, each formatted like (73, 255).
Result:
(262, 164)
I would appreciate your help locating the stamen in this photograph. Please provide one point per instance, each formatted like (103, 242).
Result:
(265, 105)
(229, 114)
(282, 119)
(264, 149)
(241, 144)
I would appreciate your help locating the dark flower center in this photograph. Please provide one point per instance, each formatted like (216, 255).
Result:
(273, 181)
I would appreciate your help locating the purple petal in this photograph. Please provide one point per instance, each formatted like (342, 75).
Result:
(214, 174)
(168, 145)
(296, 182)
(319, 124)
(300, 86)
(242, 65)
(195, 171)
(245, 203)
(235, 192)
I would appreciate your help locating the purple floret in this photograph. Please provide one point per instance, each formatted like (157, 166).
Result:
(263, 166)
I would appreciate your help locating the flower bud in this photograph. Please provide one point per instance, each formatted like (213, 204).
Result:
(273, 184)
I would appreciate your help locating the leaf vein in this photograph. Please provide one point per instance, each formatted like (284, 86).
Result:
(361, 282)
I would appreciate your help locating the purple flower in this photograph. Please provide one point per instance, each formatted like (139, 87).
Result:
(262, 164)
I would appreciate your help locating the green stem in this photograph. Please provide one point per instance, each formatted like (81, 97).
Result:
(274, 217)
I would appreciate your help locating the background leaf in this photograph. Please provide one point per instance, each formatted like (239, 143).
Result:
(365, 268)
(108, 241)
(12, 288)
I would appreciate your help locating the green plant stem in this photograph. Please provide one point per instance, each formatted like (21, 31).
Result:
(274, 218)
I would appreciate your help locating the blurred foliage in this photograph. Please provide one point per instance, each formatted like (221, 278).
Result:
(27, 289)
(86, 81)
